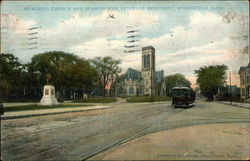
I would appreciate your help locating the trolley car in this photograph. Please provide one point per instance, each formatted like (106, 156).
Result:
(183, 97)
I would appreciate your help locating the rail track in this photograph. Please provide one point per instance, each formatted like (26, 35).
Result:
(85, 139)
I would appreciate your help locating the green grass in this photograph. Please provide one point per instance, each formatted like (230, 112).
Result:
(97, 100)
(148, 99)
(123, 96)
(38, 107)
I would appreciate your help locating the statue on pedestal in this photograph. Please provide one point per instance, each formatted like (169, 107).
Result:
(48, 94)
(48, 78)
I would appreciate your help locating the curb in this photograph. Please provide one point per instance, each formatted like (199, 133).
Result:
(52, 113)
(233, 105)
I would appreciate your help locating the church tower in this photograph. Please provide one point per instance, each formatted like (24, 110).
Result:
(148, 70)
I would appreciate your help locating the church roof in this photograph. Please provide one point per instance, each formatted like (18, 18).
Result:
(136, 75)
(132, 74)
(159, 76)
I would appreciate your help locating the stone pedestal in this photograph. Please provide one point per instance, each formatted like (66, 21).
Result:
(48, 96)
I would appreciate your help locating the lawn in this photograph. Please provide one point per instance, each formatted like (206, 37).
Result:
(96, 100)
(37, 107)
(148, 99)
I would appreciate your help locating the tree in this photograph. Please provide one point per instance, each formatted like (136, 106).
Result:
(210, 78)
(10, 74)
(108, 70)
(176, 80)
(69, 72)
(25, 81)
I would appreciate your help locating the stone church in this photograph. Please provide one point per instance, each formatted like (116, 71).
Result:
(144, 82)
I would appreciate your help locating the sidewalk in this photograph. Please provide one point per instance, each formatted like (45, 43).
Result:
(214, 142)
(19, 104)
(239, 104)
(33, 113)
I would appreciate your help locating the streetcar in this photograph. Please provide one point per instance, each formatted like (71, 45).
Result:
(183, 96)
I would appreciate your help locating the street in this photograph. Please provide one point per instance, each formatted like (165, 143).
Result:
(97, 80)
(82, 135)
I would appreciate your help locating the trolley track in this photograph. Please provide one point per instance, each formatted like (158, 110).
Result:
(153, 129)
(143, 130)
(137, 135)
(19, 143)
(81, 124)
(84, 123)
(83, 140)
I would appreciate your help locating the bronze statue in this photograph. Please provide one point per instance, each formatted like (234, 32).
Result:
(48, 78)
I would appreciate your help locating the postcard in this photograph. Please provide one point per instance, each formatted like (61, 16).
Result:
(125, 80)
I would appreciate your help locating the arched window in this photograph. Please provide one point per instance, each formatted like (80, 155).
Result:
(140, 90)
(145, 61)
(120, 90)
(148, 61)
(131, 90)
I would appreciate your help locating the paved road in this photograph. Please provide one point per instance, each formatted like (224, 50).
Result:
(78, 136)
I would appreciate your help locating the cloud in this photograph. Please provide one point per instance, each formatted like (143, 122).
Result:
(114, 48)
(14, 31)
(78, 31)
(84, 28)
(13, 23)
(100, 47)
(202, 29)
(205, 40)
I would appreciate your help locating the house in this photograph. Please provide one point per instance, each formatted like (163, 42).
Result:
(244, 73)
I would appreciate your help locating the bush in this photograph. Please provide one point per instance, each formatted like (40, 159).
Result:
(22, 99)
(97, 100)
(148, 99)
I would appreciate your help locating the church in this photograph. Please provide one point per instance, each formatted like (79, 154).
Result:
(145, 82)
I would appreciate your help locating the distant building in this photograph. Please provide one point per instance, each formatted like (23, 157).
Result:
(233, 89)
(228, 93)
(144, 82)
(244, 73)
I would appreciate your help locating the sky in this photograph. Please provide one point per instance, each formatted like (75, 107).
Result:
(186, 35)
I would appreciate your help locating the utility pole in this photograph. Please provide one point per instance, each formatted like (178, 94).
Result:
(230, 87)
(152, 87)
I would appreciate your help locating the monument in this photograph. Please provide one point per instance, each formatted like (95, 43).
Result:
(48, 94)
